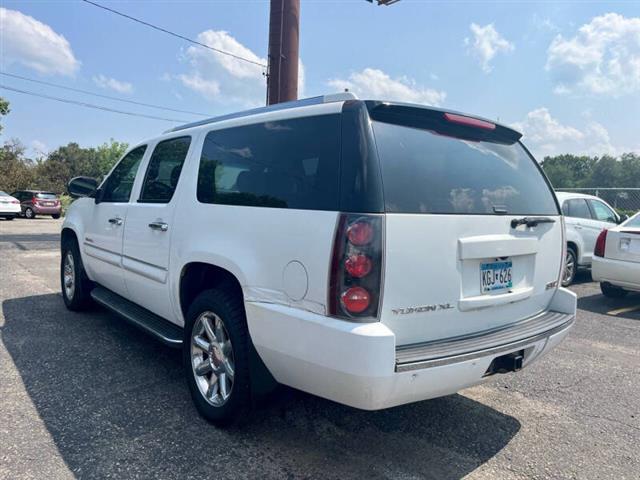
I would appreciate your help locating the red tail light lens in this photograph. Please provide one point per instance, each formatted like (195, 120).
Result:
(34, 200)
(601, 244)
(358, 266)
(356, 269)
(360, 233)
(355, 299)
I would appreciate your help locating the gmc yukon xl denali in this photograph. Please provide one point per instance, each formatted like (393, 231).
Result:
(368, 252)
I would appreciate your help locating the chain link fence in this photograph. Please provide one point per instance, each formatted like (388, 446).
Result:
(624, 200)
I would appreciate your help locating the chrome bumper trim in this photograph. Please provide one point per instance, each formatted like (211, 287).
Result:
(492, 342)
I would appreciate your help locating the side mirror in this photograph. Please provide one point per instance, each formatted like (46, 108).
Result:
(622, 218)
(82, 187)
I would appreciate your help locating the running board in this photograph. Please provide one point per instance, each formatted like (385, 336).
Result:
(165, 331)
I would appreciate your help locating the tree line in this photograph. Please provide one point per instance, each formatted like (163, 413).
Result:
(53, 170)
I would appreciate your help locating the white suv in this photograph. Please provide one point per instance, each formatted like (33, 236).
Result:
(585, 217)
(368, 252)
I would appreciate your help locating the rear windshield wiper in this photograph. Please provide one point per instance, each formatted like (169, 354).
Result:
(530, 221)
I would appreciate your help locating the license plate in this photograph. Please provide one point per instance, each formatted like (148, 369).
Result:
(47, 204)
(495, 276)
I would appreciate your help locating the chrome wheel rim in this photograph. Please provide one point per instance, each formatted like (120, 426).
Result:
(569, 267)
(28, 213)
(69, 276)
(212, 359)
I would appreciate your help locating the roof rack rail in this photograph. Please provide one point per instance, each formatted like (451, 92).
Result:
(330, 98)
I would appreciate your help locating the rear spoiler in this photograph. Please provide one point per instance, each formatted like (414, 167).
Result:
(451, 124)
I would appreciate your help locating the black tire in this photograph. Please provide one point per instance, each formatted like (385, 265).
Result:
(10, 217)
(29, 213)
(228, 306)
(572, 263)
(80, 299)
(56, 216)
(611, 291)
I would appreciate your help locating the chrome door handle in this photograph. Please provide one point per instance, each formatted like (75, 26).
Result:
(163, 227)
(115, 221)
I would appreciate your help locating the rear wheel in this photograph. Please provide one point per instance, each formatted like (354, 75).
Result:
(10, 217)
(55, 216)
(570, 267)
(76, 286)
(29, 213)
(216, 356)
(612, 291)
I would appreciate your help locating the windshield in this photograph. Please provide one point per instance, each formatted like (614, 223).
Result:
(3, 194)
(428, 172)
(46, 196)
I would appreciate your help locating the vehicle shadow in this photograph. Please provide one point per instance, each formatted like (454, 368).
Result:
(627, 307)
(116, 405)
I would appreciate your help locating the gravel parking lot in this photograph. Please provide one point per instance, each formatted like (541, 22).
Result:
(88, 396)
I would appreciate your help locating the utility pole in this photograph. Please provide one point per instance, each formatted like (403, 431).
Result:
(284, 43)
(284, 39)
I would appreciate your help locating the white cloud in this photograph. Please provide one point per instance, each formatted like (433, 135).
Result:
(486, 44)
(112, 84)
(40, 149)
(376, 84)
(602, 58)
(545, 135)
(34, 44)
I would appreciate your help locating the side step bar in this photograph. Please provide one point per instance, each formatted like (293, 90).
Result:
(165, 331)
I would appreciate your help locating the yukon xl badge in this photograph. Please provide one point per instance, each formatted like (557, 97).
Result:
(422, 309)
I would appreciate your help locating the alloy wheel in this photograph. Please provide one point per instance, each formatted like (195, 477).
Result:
(212, 358)
(69, 276)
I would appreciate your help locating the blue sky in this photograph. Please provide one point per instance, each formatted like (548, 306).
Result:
(567, 74)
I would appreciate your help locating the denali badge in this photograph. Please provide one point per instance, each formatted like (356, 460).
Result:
(421, 309)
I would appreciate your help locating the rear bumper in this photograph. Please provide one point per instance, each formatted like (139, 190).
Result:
(616, 272)
(9, 210)
(359, 365)
(47, 210)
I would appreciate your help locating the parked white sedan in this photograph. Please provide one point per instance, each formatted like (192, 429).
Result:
(9, 206)
(616, 259)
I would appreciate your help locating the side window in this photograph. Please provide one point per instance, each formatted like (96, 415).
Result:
(285, 164)
(577, 208)
(164, 170)
(117, 187)
(602, 212)
(565, 208)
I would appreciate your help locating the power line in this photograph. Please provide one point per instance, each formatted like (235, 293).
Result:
(110, 97)
(89, 105)
(164, 30)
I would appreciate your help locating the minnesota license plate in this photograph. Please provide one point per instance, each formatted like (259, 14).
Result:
(495, 276)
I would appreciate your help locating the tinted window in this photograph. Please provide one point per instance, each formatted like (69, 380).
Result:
(425, 172)
(47, 196)
(602, 212)
(286, 164)
(117, 187)
(576, 208)
(164, 170)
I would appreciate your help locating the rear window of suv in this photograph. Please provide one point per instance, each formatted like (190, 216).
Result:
(433, 168)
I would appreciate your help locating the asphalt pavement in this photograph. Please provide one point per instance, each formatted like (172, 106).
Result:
(89, 396)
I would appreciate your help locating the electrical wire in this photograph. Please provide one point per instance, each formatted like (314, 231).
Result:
(169, 32)
(110, 97)
(90, 105)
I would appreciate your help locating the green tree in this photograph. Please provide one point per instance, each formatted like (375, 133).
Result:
(16, 170)
(4, 109)
(107, 155)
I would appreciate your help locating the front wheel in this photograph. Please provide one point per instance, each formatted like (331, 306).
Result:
(216, 356)
(570, 267)
(611, 291)
(76, 286)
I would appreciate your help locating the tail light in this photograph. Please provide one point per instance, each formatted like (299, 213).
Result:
(601, 244)
(15, 201)
(356, 267)
(563, 259)
(34, 200)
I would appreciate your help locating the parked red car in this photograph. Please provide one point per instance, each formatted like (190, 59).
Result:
(37, 202)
